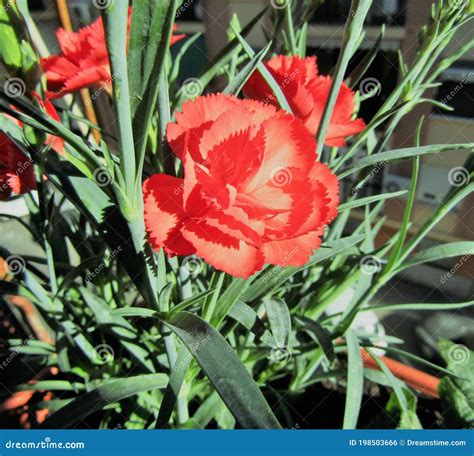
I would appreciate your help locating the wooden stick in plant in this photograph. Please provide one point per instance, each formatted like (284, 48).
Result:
(421, 381)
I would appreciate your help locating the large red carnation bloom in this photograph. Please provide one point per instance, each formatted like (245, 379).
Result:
(16, 170)
(83, 61)
(306, 93)
(252, 193)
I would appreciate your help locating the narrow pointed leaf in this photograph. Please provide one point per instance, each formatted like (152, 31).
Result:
(355, 382)
(227, 374)
(97, 399)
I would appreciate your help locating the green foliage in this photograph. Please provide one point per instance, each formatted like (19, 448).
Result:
(134, 333)
(458, 393)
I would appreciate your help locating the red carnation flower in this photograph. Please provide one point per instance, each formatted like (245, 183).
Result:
(306, 93)
(16, 170)
(83, 61)
(252, 193)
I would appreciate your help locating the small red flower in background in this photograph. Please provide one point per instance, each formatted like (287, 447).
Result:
(253, 192)
(175, 38)
(56, 143)
(83, 61)
(306, 93)
(16, 170)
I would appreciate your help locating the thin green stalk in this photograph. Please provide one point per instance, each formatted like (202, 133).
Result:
(440, 212)
(116, 23)
(352, 30)
(164, 117)
(290, 29)
(45, 224)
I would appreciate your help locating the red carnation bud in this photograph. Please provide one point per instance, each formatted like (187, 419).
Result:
(306, 93)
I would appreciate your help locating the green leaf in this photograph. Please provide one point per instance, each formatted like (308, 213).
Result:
(115, 18)
(353, 29)
(418, 306)
(119, 327)
(183, 305)
(178, 373)
(153, 24)
(97, 399)
(10, 49)
(275, 276)
(133, 312)
(418, 359)
(401, 154)
(402, 233)
(355, 382)
(51, 385)
(243, 314)
(225, 371)
(143, 46)
(405, 413)
(225, 302)
(396, 384)
(222, 58)
(269, 79)
(457, 394)
(322, 336)
(369, 199)
(439, 252)
(236, 84)
(30, 347)
(358, 73)
(280, 321)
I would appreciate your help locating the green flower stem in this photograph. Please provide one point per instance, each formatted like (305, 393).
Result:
(290, 29)
(411, 77)
(116, 20)
(352, 30)
(440, 212)
(45, 221)
(164, 117)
